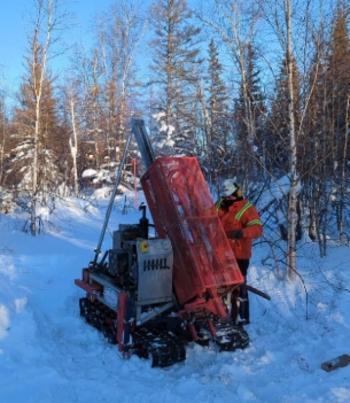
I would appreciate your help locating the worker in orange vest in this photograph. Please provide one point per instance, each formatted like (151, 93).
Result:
(242, 224)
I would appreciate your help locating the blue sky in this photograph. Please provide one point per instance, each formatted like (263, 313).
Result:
(15, 25)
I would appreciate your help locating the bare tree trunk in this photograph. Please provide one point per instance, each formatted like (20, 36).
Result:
(120, 36)
(39, 62)
(95, 107)
(207, 129)
(293, 191)
(2, 147)
(73, 143)
(123, 106)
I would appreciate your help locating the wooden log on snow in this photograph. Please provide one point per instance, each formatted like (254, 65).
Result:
(335, 363)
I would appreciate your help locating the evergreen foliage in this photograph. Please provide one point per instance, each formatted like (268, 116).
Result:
(220, 114)
(50, 144)
(278, 120)
(249, 118)
(176, 56)
(219, 127)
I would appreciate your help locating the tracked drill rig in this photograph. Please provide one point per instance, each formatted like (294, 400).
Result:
(152, 295)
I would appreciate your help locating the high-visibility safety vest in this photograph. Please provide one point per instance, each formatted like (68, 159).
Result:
(241, 215)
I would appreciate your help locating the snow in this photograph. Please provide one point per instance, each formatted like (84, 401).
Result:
(164, 128)
(4, 320)
(48, 354)
(277, 190)
(89, 173)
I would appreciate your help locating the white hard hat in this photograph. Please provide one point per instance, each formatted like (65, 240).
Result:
(229, 186)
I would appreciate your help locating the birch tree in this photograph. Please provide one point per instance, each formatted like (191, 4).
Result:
(119, 37)
(293, 175)
(72, 100)
(92, 81)
(39, 50)
(35, 117)
(3, 135)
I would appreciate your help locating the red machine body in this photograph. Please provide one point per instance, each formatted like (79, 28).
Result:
(204, 264)
(129, 292)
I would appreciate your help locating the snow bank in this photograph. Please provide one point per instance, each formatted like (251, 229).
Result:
(48, 354)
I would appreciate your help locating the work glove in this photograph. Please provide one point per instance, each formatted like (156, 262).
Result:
(235, 234)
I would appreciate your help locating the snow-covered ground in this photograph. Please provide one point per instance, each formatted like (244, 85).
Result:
(48, 354)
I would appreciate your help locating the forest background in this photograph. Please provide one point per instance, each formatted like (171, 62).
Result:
(257, 90)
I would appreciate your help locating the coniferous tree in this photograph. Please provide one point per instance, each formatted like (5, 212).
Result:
(313, 129)
(249, 120)
(278, 120)
(174, 61)
(50, 144)
(314, 161)
(324, 147)
(34, 131)
(218, 126)
(338, 82)
(338, 96)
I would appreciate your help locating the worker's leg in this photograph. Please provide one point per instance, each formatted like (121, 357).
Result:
(235, 305)
(243, 292)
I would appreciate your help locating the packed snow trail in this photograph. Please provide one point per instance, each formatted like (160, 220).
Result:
(49, 354)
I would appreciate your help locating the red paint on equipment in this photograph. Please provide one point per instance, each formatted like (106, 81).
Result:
(89, 288)
(193, 331)
(204, 263)
(121, 314)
